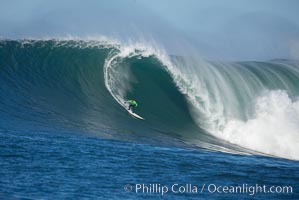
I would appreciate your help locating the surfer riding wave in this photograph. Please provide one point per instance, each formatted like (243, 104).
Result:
(132, 104)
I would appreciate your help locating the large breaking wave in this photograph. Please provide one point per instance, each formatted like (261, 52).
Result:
(80, 85)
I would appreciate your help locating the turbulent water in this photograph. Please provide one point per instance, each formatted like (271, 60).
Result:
(240, 107)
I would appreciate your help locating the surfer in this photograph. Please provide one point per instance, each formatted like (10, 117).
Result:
(132, 104)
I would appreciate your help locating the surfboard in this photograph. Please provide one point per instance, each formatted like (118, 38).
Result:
(135, 115)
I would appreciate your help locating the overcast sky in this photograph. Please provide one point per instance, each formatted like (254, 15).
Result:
(230, 29)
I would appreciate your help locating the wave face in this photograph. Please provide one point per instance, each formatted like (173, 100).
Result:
(248, 107)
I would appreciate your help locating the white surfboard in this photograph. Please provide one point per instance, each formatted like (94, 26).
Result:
(135, 115)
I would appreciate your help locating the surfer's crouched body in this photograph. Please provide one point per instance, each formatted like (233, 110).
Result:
(132, 104)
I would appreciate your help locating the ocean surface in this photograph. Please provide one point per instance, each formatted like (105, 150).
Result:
(212, 130)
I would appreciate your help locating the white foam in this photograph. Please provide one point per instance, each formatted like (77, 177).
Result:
(274, 129)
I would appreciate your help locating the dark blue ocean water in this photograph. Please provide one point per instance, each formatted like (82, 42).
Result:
(64, 165)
